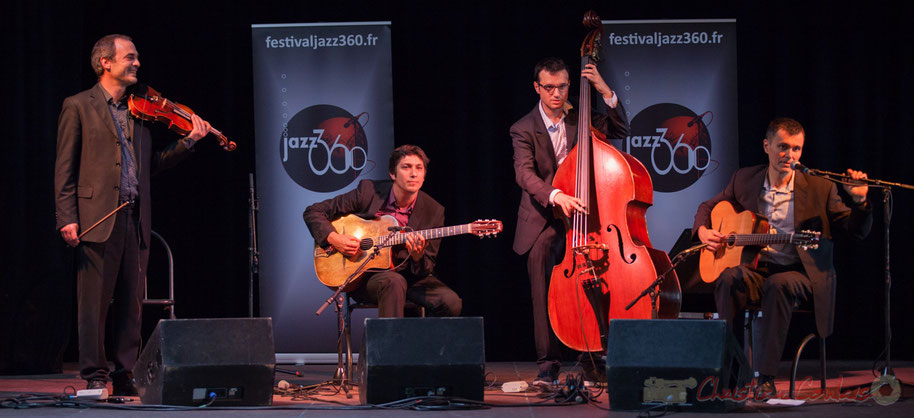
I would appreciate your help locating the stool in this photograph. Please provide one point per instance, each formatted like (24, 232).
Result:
(344, 310)
(755, 312)
(168, 303)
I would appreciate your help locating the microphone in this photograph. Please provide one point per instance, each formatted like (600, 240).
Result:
(795, 165)
(365, 244)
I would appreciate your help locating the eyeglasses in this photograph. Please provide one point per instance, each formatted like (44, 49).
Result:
(551, 88)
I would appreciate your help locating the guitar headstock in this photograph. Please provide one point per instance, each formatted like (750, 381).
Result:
(486, 228)
(807, 240)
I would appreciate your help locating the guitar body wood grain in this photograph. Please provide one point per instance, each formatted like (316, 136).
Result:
(726, 220)
(333, 268)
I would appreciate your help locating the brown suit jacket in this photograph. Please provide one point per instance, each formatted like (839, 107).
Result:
(817, 207)
(87, 171)
(535, 166)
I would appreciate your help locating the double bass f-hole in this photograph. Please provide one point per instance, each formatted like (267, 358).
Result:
(626, 259)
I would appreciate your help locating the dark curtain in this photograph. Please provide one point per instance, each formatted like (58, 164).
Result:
(462, 76)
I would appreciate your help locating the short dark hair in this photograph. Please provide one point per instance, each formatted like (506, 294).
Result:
(402, 151)
(104, 48)
(551, 65)
(792, 127)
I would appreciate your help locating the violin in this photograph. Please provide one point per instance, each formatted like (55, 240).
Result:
(153, 107)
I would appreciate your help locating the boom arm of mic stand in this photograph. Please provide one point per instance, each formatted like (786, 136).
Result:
(349, 279)
(675, 262)
(840, 177)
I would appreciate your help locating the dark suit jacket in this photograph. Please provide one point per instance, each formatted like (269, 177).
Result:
(365, 201)
(817, 207)
(87, 172)
(535, 166)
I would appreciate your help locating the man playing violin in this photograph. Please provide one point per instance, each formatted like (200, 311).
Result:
(541, 140)
(401, 198)
(105, 159)
(785, 275)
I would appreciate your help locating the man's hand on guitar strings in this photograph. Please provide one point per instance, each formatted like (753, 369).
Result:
(710, 237)
(346, 244)
(415, 244)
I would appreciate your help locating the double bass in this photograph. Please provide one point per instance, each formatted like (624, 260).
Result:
(608, 258)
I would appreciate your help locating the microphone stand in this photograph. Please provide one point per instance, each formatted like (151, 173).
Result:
(253, 253)
(342, 371)
(887, 217)
(651, 289)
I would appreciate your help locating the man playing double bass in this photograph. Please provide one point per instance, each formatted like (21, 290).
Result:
(785, 275)
(104, 159)
(541, 140)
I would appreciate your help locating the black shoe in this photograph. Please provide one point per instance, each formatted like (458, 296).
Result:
(96, 384)
(546, 379)
(765, 389)
(124, 384)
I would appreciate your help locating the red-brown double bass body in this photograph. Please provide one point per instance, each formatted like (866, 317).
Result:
(608, 258)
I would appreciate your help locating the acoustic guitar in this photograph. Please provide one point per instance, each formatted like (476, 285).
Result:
(333, 268)
(746, 233)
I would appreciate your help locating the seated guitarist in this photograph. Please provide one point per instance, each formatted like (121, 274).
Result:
(785, 275)
(401, 198)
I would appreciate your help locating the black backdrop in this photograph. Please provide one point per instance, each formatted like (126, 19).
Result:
(462, 75)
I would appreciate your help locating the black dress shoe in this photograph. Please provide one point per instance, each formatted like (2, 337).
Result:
(124, 384)
(765, 389)
(96, 384)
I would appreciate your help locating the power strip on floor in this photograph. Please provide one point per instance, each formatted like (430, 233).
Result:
(92, 394)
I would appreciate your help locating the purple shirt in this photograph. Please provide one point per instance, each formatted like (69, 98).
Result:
(391, 208)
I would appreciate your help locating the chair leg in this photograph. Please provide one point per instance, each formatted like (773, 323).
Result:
(822, 361)
(747, 337)
(348, 336)
(796, 362)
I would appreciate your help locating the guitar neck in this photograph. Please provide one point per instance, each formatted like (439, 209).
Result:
(758, 239)
(428, 234)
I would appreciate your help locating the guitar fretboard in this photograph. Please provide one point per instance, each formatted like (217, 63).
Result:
(758, 239)
(434, 233)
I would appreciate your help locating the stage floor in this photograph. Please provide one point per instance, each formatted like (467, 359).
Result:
(328, 400)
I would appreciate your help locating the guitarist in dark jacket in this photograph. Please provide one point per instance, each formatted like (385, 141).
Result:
(785, 275)
(401, 198)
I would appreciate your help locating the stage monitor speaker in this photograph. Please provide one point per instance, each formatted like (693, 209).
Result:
(406, 357)
(694, 364)
(190, 361)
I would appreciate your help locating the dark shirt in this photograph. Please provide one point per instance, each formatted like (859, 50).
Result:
(128, 187)
(391, 208)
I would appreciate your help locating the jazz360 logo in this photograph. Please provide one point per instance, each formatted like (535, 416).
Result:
(323, 147)
(673, 143)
